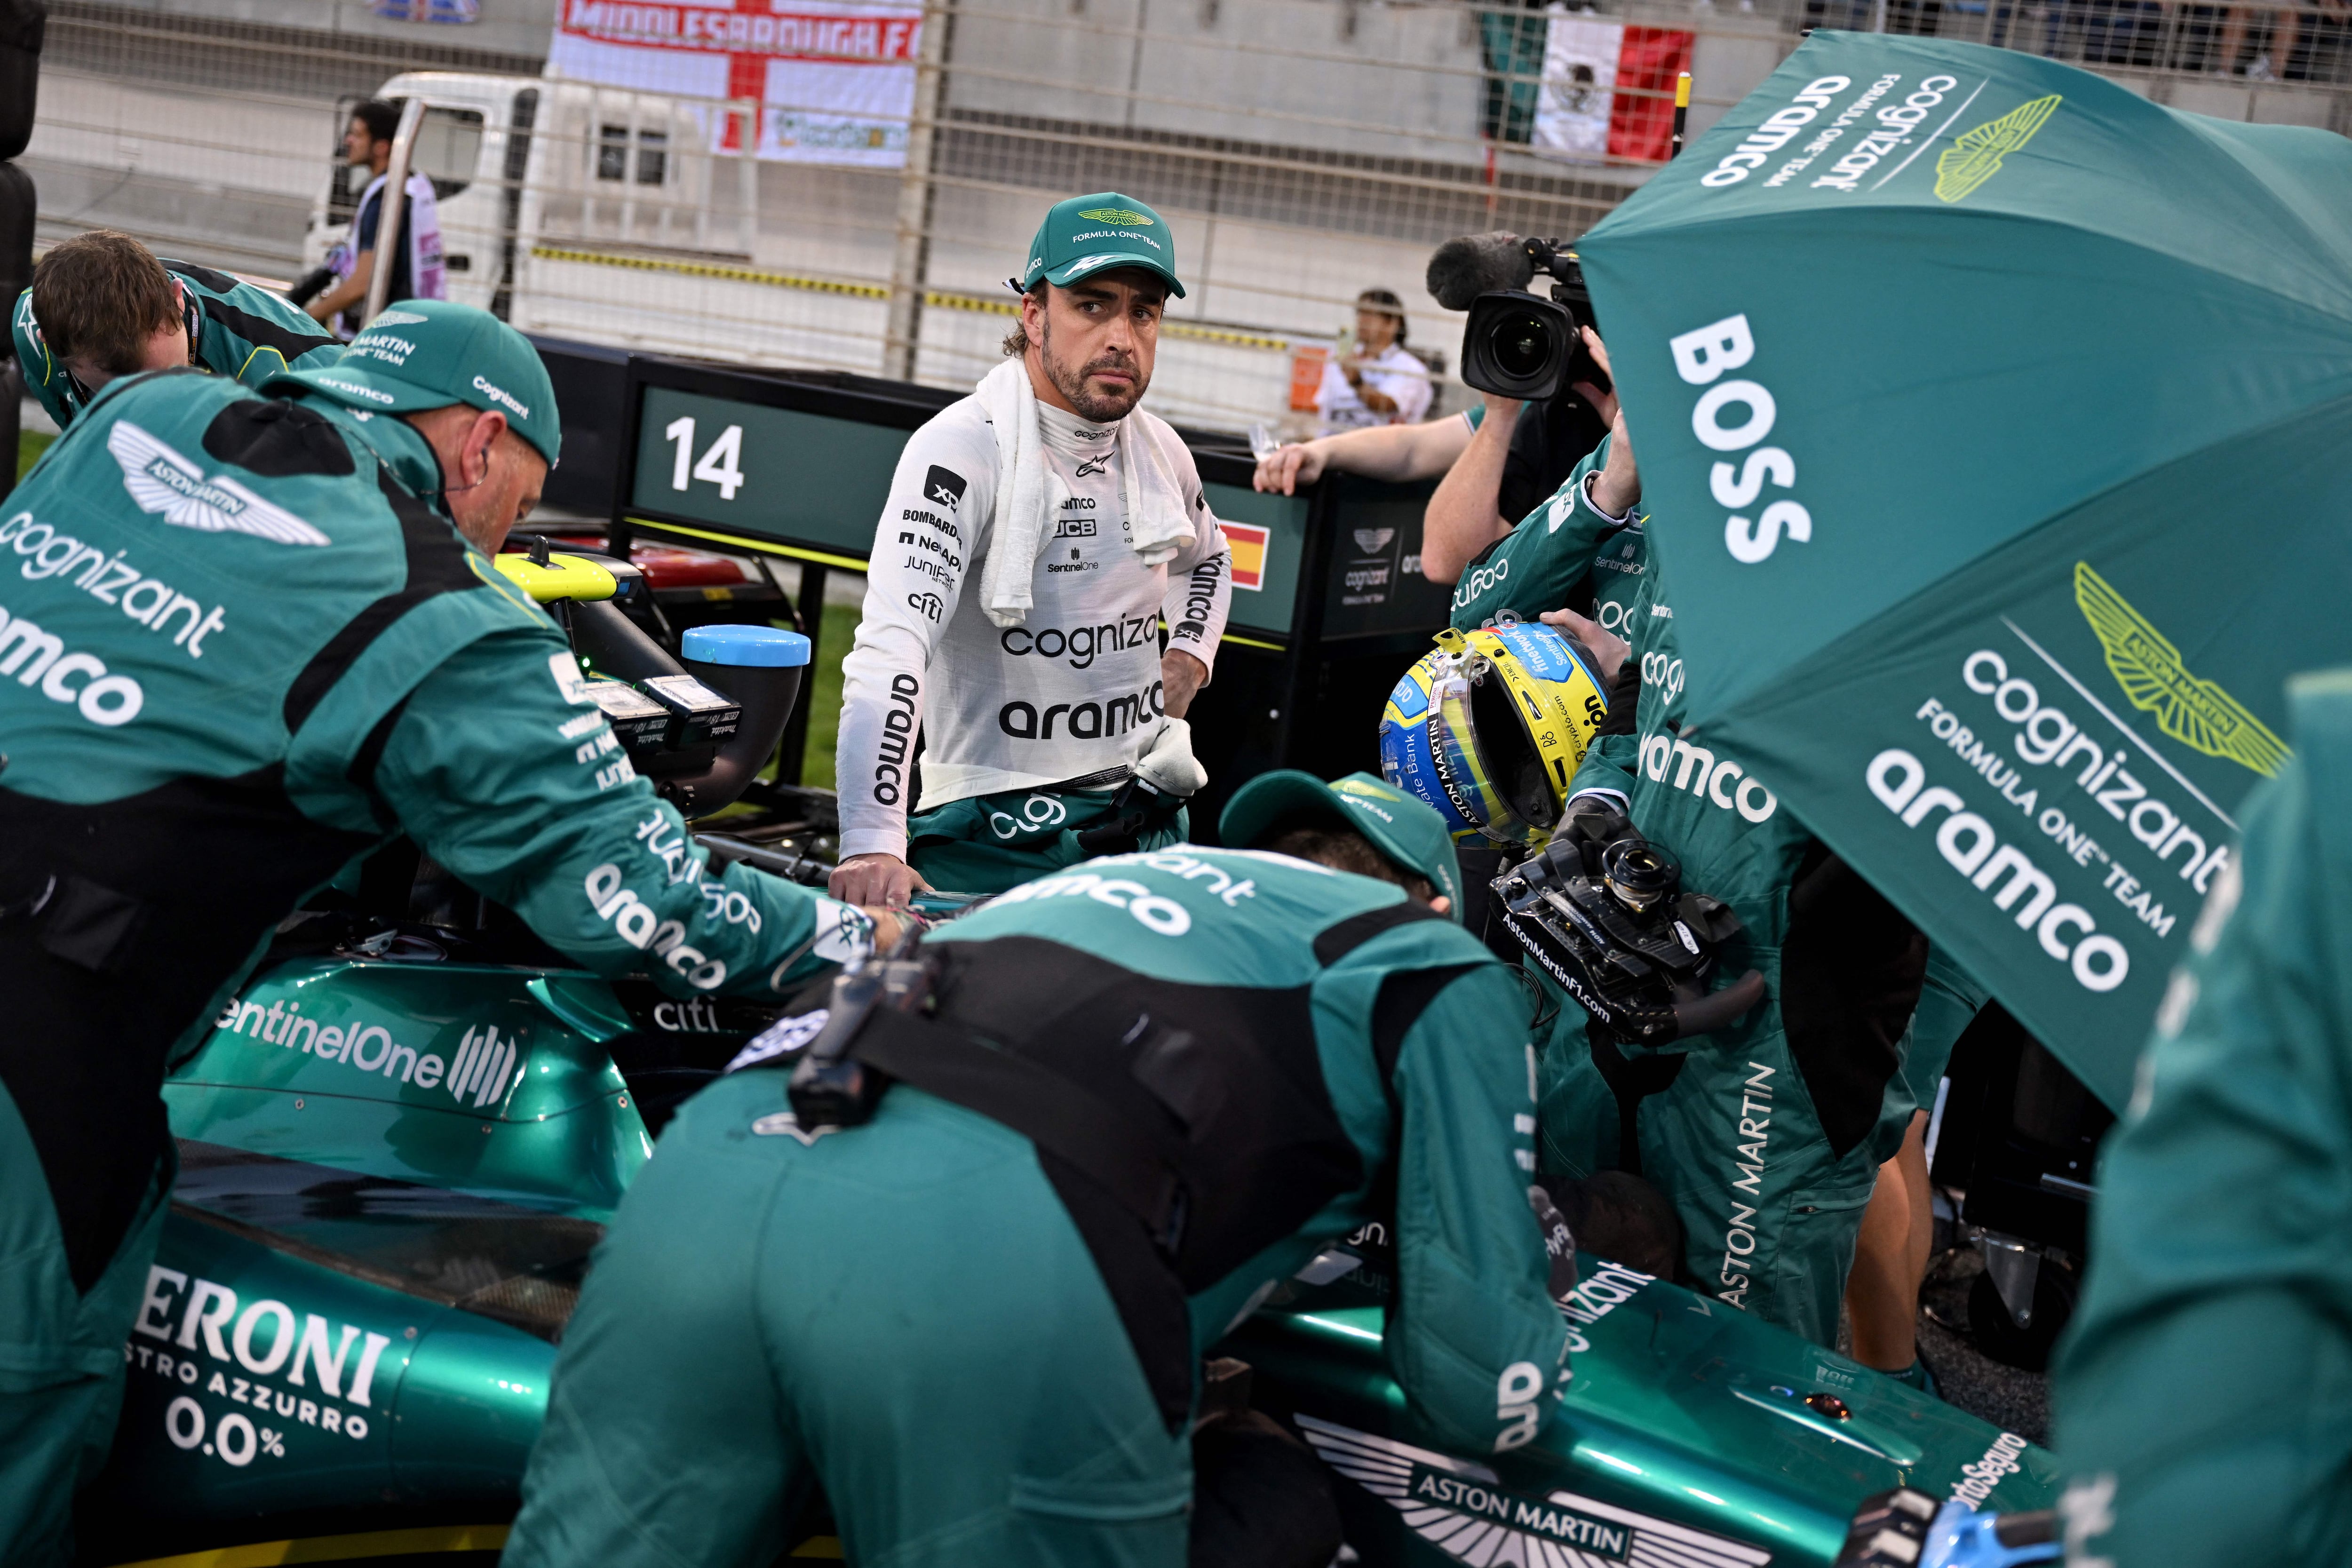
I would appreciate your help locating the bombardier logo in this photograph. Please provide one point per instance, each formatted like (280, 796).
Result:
(176, 490)
(1464, 1509)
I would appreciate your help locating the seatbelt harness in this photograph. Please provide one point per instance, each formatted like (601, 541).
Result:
(876, 1034)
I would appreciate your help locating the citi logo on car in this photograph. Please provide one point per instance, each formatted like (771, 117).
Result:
(477, 1075)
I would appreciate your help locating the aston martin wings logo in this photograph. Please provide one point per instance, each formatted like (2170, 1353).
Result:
(1126, 217)
(1464, 1509)
(176, 490)
(2192, 711)
(1975, 155)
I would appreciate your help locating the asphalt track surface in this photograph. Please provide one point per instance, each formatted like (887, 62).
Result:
(2011, 1398)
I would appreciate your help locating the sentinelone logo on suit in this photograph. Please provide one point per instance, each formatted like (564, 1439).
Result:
(478, 1074)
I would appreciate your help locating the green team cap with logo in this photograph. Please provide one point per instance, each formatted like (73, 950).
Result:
(430, 353)
(1096, 233)
(1412, 836)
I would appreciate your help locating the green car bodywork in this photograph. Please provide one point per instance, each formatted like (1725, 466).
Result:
(384, 1211)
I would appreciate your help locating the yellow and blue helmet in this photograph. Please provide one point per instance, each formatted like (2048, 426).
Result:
(1489, 727)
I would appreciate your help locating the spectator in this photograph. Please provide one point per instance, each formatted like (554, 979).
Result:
(1381, 383)
(416, 271)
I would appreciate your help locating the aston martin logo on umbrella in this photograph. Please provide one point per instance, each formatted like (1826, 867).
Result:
(1975, 155)
(1463, 1509)
(2192, 711)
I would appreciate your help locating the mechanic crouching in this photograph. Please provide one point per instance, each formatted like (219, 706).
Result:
(252, 638)
(1037, 534)
(1131, 1098)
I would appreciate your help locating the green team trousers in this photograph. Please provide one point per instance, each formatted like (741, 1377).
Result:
(992, 843)
(61, 1354)
(903, 1310)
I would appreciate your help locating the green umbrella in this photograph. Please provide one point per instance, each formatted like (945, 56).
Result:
(1997, 429)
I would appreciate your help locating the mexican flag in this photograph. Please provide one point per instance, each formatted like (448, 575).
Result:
(1583, 108)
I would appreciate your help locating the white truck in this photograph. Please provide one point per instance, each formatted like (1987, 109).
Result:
(632, 219)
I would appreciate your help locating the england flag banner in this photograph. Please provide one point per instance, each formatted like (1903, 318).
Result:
(834, 79)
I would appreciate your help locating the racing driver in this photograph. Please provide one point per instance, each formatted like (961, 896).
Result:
(102, 306)
(1175, 1076)
(1037, 534)
(241, 644)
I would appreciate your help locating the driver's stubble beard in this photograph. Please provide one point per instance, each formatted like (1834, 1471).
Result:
(1071, 381)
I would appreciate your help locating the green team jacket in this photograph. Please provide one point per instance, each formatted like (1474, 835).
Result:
(2204, 1392)
(234, 330)
(958, 1333)
(1419, 1038)
(236, 651)
(1767, 1135)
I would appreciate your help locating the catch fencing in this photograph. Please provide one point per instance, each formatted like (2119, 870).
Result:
(1302, 151)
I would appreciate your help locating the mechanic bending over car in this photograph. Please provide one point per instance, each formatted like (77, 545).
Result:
(1156, 1086)
(248, 648)
(2203, 1392)
(101, 306)
(1767, 1135)
(1037, 534)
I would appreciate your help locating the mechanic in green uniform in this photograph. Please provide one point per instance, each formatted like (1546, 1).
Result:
(1766, 1136)
(101, 306)
(985, 1352)
(2203, 1394)
(242, 643)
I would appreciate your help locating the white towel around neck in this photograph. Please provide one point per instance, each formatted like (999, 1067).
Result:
(1029, 494)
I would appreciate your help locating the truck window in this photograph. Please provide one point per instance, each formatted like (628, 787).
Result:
(613, 155)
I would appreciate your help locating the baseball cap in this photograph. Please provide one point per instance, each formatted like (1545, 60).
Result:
(430, 353)
(1399, 826)
(1094, 234)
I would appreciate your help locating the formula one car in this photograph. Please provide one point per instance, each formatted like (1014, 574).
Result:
(399, 1145)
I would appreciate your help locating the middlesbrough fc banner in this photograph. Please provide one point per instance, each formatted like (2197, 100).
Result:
(834, 79)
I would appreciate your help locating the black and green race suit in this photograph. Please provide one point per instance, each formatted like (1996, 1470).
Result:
(1767, 1135)
(234, 330)
(986, 1359)
(2204, 1391)
(239, 646)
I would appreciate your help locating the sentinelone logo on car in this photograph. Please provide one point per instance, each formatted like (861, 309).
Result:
(478, 1073)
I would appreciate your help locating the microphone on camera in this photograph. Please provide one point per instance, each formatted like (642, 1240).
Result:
(1478, 264)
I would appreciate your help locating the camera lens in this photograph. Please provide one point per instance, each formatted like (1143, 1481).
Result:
(1521, 343)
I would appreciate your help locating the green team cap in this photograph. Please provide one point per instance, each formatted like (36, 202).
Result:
(1090, 233)
(1406, 831)
(430, 353)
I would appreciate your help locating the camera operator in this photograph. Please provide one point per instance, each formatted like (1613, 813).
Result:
(1499, 460)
